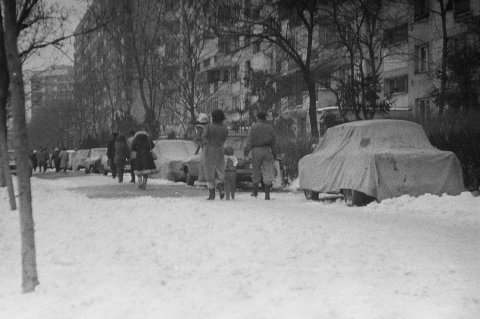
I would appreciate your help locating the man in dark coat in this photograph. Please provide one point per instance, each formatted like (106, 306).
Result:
(132, 155)
(261, 142)
(56, 159)
(111, 154)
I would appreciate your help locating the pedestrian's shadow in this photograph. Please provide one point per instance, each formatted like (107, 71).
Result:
(127, 190)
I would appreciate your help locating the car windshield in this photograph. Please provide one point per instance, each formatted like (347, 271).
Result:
(177, 149)
(11, 155)
(98, 152)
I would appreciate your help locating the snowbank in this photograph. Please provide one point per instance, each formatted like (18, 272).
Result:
(146, 257)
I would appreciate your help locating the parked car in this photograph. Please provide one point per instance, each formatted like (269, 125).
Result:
(191, 167)
(12, 162)
(94, 160)
(170, 156)
(78, 159)
(105, 165)
(378, 159)
(70, 154)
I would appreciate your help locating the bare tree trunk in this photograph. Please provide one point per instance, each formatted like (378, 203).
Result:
(29, 266)
(312, 110)
(443, 76)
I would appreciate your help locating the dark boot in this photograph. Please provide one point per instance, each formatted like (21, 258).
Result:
(255, 190)
(221, 191)
(267, 192)
(211, 194)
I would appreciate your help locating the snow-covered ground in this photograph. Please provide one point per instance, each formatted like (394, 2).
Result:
(150, 257)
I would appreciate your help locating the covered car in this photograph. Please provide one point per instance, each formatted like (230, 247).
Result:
(170, 156)
(379, 159)
(78, 159)
(93, 163)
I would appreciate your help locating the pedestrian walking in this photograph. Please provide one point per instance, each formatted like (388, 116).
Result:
(42, 158)
(214, 136)
(261, 142)
(144, 161)
(132, 159)
(199, 126)
(33, 157)
(63, 159)
(56, 159)
(230, 173)
(122, 152)
(111, 154)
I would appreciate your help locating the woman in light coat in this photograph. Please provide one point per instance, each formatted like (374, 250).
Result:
(214, 137)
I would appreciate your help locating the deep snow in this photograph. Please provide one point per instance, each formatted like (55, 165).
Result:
(145, 257)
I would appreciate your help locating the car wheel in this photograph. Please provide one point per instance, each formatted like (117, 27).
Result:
(188, 177)
(310, 195)
(356, 198)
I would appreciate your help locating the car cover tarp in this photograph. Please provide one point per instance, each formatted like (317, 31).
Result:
(381, 158)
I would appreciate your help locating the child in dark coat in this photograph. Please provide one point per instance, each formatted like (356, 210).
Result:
(230, 173)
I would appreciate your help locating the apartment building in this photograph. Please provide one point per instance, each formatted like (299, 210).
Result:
(409, 77)
(51, 87)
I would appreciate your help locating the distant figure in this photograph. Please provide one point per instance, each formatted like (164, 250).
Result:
(122, 152)
(111, 154)
(230, 173)
(132, 159)
(63, 159)
(34, 159)
(261, 142)
(144, 162)
(199, 126)
(56, 159)
(42, 158)
(213, 138)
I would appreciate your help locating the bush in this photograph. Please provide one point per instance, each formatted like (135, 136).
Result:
(460, 134)
(293, 150)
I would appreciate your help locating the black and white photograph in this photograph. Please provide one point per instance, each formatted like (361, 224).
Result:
(239, 159)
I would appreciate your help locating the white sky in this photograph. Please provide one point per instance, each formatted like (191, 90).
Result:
(50, 56)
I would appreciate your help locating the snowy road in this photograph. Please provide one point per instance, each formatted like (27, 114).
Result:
(184, 257)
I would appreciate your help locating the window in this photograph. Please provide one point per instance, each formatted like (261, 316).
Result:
(257, 46)
(248, 69)
(461, 6)
(422, 58)
(235, 102)
(235, 73)
(396, 35)
(396, 85)
(226, 76)
(206, 63)
(422, 110)
(422, 9)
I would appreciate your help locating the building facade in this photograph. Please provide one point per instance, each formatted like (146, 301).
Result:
(51, 87)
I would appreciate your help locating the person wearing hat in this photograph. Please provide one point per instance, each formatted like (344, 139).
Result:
(261, 142)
